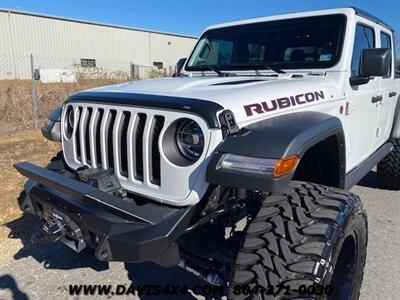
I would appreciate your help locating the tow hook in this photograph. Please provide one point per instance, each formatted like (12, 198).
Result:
(59, 227)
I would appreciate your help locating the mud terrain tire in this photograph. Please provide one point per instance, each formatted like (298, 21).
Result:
(309, 240)
(388, 170)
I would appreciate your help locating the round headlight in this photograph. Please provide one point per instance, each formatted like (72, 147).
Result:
(190, 139)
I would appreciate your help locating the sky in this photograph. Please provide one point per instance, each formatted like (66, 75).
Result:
(192, 16)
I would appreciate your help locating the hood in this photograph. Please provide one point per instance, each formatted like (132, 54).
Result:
(248, 97)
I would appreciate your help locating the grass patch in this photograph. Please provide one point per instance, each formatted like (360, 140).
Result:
(26, 145)
(20, 185)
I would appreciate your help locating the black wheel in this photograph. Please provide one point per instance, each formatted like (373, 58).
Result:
(308, 242)
(388, 170)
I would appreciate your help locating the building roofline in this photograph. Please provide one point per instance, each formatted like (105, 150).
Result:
(33, 14)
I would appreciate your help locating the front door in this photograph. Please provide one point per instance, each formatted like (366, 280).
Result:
(361, 111)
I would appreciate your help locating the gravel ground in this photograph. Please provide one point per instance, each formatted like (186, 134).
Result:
(45, 272)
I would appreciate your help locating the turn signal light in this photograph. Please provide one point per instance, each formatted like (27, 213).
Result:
(259, 166)
(285, 165)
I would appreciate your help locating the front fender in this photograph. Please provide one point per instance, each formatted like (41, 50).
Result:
(276, 138)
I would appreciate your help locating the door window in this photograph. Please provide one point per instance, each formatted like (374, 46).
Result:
(364, 39)
(386, 43)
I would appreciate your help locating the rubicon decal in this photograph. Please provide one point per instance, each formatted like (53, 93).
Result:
(284, 102)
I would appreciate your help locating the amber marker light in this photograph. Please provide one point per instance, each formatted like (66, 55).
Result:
(285, 165)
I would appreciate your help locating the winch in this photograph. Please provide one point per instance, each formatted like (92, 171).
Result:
(59, 227)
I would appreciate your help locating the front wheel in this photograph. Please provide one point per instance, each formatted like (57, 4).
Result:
(308, 242)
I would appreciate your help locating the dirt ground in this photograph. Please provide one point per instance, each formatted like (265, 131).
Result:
(15, 147)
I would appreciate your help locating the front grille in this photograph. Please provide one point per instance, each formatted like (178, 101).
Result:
(127, 141)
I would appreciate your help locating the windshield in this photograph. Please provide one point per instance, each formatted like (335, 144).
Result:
(302, 43)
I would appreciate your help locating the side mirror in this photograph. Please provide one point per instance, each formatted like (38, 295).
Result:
(180, 64)
(375, 62)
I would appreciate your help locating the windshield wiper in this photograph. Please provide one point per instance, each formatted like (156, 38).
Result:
(270, 67)
(215, 68)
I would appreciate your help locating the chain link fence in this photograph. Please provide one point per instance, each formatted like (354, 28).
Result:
(30, 86)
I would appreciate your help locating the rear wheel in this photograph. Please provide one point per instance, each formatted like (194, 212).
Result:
(388, 170)
(308, 242)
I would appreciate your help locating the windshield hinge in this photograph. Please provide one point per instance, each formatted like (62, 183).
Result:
(228, 123)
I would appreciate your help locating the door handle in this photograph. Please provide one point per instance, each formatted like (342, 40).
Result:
(392, 94)
(376, 99)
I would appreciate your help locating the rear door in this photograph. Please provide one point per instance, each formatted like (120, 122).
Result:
(387, 91)
(361, 114)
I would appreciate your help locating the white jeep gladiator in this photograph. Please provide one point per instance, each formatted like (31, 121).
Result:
(237, 168)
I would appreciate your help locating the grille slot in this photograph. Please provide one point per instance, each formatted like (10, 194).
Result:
(109, 135)
(138, 139)
(78, 135)
(96, 128)
(86, 134)
(157, 125)
(123, 138)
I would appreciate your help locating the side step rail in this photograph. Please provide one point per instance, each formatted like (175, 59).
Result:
(355, 175)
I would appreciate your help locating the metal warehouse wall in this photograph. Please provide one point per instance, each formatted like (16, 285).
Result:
(60, 43)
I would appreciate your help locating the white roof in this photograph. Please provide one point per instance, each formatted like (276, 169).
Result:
(345, 10)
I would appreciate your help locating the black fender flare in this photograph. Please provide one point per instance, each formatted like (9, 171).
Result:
(52, 126)
(276, 138)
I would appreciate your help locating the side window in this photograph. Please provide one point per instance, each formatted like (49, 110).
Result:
(386, 43)
(212, 52)
(364, 39)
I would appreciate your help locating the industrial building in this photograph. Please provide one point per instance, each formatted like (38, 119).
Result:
(59, 44)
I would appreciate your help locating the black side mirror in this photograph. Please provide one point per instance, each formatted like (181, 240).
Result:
(375, 62)
(180, 64)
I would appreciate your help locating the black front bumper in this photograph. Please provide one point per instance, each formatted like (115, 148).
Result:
(120, 229)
